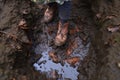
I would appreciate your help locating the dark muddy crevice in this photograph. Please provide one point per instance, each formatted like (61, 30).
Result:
(85, 23)
(21, 60)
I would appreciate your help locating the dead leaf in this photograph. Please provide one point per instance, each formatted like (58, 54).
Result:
(109, 17)
(71, 47)
(18, 47)
(75, 30)
(54, 74)
(14, 37)
(24, 78)
(51, 28)
(73, 60)
(53, 56)
(13, 79)
(113, 29)
(23, 24)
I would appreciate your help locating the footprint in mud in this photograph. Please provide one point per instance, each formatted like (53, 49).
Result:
(57, 67)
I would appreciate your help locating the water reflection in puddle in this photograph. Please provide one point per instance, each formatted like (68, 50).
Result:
(63, 72)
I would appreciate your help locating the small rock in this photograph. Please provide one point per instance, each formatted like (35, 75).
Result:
(98, 15)
(25, 11)
(118, 65)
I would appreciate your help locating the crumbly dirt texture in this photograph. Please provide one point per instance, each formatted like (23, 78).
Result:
(20, 29)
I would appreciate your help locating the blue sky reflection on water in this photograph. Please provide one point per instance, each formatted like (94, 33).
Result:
(66, 71)
(46, 65)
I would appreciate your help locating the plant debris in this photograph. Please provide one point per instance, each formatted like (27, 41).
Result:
(113, 29)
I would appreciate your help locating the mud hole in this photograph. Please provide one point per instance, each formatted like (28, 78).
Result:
(27, 50)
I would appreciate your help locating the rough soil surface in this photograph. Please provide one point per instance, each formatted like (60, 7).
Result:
(107, 42)
(15, 43)
(21, 27)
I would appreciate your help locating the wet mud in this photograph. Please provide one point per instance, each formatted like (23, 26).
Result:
(28, 52)
(64, 60)
(34, 54)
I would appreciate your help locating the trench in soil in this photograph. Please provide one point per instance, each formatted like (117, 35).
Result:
(63, 70)
(78, 43)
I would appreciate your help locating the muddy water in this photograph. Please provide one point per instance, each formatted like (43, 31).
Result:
(46, 65)
(59, 71)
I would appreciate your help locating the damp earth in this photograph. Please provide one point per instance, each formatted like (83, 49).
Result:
(91, 52)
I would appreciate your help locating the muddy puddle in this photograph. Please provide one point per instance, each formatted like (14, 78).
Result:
(62, 70)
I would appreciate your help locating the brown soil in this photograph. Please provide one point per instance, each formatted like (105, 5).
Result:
(17, 40)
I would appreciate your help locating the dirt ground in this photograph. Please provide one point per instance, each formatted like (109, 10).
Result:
(17, 43)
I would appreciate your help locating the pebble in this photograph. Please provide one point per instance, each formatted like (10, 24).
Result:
(118, 65)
